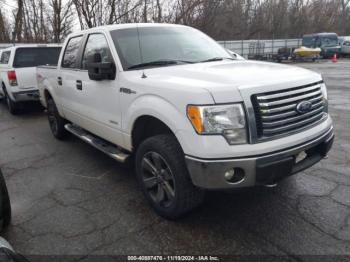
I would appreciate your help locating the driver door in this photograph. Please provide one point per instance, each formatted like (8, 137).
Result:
(100, 99)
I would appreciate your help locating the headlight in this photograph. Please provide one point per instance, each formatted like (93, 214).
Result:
(325, 96)
(226, 120)
(324, 91)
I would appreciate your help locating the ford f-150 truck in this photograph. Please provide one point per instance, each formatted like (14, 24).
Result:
(18, 72)
(191, 116)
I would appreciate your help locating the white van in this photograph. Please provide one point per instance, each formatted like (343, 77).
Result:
(345, 45)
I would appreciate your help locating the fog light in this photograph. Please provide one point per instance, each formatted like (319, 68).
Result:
(229, 174)
(234, 175)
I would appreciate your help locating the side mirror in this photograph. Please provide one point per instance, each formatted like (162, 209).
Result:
(99, 70)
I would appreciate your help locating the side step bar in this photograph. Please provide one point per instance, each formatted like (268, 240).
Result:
(106, 147)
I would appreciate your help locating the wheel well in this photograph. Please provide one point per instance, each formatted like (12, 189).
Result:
(147, 126)
(47, 95)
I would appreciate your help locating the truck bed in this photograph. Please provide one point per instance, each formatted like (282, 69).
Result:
(48, 66)
(46, 76)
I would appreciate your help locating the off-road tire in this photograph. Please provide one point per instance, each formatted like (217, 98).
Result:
(187, 196)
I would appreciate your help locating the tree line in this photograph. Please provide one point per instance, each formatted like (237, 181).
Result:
(45, 21)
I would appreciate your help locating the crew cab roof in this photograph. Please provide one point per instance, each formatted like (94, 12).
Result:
(123, 26)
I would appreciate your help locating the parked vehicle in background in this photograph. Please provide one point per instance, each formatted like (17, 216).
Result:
(345, 45)
(193, 117)
(306, 54)
(284, 53)
(18, 72)
(328, 42)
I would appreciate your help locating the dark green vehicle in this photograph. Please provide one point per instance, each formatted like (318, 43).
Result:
(328, 42)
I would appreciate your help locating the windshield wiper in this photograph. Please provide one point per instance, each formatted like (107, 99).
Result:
(214, 59)
(160, 63)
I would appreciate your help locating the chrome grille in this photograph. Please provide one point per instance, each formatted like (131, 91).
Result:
(276, 112)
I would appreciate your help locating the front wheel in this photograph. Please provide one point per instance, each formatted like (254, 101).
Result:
(164, 178)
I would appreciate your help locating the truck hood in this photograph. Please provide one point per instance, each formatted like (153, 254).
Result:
(227, 80)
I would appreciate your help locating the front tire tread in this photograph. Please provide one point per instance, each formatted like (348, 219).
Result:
(188, 196)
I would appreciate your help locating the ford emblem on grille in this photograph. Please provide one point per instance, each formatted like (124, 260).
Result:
(304, 107)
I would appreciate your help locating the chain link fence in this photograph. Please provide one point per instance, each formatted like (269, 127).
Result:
(242, 47)
(263, 48)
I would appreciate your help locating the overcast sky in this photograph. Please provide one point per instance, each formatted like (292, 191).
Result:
(10, 5)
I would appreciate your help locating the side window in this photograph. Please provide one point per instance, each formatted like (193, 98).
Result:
(347, 43)
(71, 52)
(318, 42)
(96, 43)
(5, 57)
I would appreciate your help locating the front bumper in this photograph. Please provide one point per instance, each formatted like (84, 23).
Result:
(32, 95)
(264, 169)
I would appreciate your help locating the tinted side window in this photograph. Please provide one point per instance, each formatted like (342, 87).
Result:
(31, 57)
(71, 52)
(96, 43)
(318, 42)
(5, 57)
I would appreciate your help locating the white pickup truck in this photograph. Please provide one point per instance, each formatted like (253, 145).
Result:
(193, 116)
(18, 72)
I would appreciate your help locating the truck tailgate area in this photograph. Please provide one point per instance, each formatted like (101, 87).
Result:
(26, 78)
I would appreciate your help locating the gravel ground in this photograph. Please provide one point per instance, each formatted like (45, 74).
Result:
(68, 198)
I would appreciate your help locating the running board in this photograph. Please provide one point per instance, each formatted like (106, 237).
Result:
(106, 147)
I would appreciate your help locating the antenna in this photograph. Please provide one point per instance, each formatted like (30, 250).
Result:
(140, 49)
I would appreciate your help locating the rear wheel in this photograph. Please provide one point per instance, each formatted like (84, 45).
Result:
(11, 105)
(164, 178)
(56, 122)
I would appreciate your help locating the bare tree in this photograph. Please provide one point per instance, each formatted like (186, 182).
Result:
(52, 20)
(92, 13)
(19, 16)
(61, 19)
(4, 26)
(4, 30)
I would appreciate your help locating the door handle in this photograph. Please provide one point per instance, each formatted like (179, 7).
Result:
(79, 85)
(59, 80)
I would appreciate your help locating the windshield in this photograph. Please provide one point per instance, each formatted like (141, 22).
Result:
(308, 41)
(36, 56)
(329, 41)
(181, 44)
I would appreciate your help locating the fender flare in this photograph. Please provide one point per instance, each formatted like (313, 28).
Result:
(44, 99)
(146, 105)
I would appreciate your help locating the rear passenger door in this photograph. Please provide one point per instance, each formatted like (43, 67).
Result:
(67, 80)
